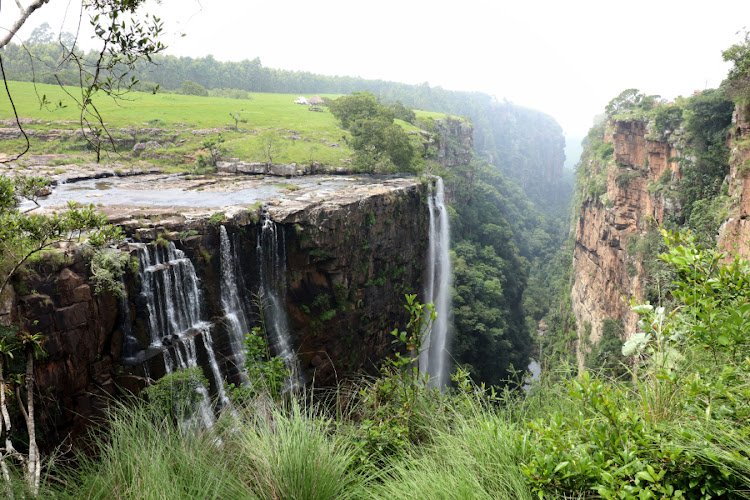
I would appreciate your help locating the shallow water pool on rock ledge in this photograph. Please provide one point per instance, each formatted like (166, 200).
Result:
(185, 191)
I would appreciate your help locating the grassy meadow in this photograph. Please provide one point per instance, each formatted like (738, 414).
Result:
(299, 135)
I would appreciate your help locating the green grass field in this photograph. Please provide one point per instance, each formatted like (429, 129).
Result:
(303, 135)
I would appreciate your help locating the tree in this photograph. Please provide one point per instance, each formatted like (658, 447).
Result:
(189, 87)
(23, 235)
(375, 137)
(359, 106)
(739, 76)
(123, 44)
(401, 112)
(42, 34)
(237, 119)
(271, 145)
(630, 100)
(214, 150)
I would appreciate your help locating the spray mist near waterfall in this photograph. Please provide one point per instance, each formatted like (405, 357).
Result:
(433, 360)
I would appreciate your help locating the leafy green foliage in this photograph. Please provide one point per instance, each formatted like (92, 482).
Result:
(678, 431)
(630, 103)
(715, 297)
(205, 161)
(739, 75)
(401, 112)
(666, 120)
(394, 405)
(611, 450)
(25, 235)
(266, 373)
(359, 106)
(488, 283)
(709, 114)
(107, 268)
(606, 355)
(379, 142)
(177, 395)
(597, 157)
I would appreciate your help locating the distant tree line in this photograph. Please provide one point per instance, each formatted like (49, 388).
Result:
(524, 144)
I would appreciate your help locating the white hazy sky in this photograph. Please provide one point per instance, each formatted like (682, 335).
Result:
(566, 58)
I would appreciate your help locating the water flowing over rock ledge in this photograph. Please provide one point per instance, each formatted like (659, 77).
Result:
(344, 253)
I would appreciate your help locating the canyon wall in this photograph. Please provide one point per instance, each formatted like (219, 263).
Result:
(607, 276)
(734, 236)
(638, 195)
(346, 262)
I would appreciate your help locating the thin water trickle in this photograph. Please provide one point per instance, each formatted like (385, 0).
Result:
(271, 249)
(231, 303)
(434, 358)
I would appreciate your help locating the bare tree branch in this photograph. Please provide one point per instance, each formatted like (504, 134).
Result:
(24, 15)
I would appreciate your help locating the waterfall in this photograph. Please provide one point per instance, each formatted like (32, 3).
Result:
(189, 359)
(271, 250)
(208, 343)
(433, 360)
(231, 303)
(169, 288)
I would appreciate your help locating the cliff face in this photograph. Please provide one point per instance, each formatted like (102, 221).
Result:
(608, 269)
(345, 257)
(83, 342)
(734, 236)
(606, 275)
(455, 142)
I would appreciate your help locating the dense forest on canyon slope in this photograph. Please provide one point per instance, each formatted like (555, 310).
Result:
(657, 412)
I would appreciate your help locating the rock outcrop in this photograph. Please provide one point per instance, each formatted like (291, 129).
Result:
(607, 276)
(351, 252)
(608, 270)
(734, 236)
(83, 342)
(455, 142)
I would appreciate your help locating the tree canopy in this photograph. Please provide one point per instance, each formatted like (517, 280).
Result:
(739, 75)
(374, 135)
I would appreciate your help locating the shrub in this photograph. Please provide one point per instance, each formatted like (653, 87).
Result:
(189, 87)
(179, 394)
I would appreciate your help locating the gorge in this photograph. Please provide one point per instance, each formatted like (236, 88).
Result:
(293, 241)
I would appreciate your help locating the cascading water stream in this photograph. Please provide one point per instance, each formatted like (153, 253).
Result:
(230, 299)
(130, 345)
(433, 360)
(169, 287)
(271, 250)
